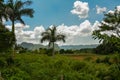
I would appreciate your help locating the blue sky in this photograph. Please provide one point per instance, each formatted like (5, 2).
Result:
(77, 19)
(48, 12)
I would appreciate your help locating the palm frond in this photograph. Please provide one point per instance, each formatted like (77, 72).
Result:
(16, 9)
(45, 38)
(27, 12)
(60, 37)
(27, 2)
(18, 5)
(20, 20)
(2, 12)
(51, 35)
(45, 33)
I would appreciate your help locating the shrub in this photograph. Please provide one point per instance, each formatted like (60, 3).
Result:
(2, 62)
(14, 74)
(115, 58)
(105, 60)
(9, 60)
(77, 66)
(88, 58)
(114, 71)
(98, 60)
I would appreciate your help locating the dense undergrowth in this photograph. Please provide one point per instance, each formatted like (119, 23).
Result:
(59, 67)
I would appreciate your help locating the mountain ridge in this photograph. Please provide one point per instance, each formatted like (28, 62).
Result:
(31, 46)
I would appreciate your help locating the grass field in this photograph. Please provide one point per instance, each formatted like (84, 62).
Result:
(84, 56)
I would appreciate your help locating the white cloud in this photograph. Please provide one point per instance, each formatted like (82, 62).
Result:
(100, 10)
(81, 9)
(118, 8)
(18, 27)
(95, 25)
(27, 36)
(38, 30)
(111, 12)
(75, 34)
(78, 34)
(85, 28)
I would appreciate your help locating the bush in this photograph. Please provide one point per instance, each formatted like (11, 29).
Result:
(88, 58)
(105, 60)
(98, 60)
(114, 71)
(14, 74)
(6, 39)
(2, 62)
(115, 58)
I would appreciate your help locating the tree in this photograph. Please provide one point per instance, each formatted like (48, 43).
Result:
(5, 39)
(109, 32)
(5, 35)
(14, 10)
(112, 46)
(51, 35)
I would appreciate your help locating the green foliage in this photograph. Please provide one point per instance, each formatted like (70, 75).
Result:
(83, 50)
(115, 59)
(6, 38)
(105, 60)
(110, 42)
(111, 46)
(14, 74)
(2, 62)
(88, 58)
(115, 70)
(43, 67)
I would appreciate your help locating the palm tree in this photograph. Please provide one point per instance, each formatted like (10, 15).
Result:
(16, 9)
(51, 36)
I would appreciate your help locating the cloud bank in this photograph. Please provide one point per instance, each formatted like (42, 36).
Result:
(75, 34)
(81, 9)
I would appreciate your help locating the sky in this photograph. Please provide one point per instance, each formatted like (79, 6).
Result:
(77, 19)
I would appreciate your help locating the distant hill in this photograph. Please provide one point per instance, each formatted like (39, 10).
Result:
(77, 47)
(31, 46)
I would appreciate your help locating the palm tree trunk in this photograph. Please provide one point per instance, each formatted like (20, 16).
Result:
(53, 52)
(13, 27)
(13, 32)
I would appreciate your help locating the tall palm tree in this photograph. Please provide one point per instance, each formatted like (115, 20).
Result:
(16, 9)
(51, 35)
